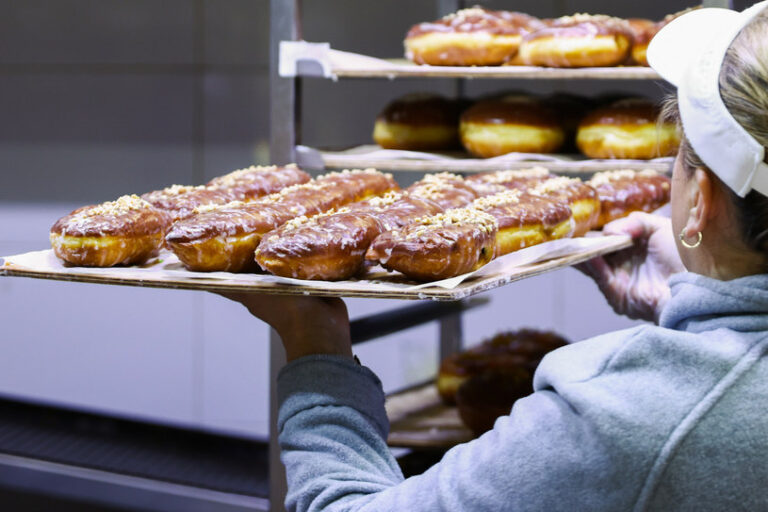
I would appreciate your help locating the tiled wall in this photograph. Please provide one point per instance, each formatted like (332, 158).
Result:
(103, 97)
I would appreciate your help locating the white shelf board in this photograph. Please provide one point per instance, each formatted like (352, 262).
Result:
(362, 157)
(301, 58)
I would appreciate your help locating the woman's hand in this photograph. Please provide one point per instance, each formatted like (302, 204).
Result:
(635, 280)
(306, 325)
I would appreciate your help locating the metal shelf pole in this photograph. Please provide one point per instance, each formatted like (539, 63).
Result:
(284, 116)
(727, 4)
(446, 7)
(278, 485)
(284, 92)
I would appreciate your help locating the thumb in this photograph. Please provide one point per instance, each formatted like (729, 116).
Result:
(632, 226)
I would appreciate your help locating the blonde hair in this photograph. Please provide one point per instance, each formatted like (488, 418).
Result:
(744, 78)
(744, 90)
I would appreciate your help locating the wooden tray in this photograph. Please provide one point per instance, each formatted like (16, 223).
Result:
(167, 272)
(301, 58)
(419, 419)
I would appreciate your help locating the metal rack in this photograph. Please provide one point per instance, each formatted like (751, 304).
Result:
(285, 123)
(285, 126)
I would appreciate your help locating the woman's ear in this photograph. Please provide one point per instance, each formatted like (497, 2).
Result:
(704, 204)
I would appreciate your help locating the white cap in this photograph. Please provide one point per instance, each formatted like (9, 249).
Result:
(689, 53)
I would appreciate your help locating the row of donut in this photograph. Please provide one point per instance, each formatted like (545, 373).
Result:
(494, 126)
(334, 226)
(482, 37)
(516, 209)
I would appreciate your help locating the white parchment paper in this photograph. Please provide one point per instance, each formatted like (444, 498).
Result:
(373, 152)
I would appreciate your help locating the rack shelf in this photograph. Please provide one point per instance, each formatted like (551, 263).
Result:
(362, 157)
(419, 419)
(304, 59)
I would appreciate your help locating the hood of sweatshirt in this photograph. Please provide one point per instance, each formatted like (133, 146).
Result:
(699, 303)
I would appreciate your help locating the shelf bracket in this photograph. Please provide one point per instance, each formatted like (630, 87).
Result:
(300, 58)
(389, 322)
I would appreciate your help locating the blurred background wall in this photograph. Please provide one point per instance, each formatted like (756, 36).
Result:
(99, 98)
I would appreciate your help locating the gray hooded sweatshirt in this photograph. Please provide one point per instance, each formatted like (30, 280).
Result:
(669, 417)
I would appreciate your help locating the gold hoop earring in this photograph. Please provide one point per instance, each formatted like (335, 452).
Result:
(693, 245)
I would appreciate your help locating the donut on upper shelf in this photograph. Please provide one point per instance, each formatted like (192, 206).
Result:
(643, 31)
(480, 37)
(627, 128)
(515, 123)
(469, 37)
(419, 122)
(614, 127)
(578, 41)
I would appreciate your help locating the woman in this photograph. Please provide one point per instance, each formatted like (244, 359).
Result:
(659, 417)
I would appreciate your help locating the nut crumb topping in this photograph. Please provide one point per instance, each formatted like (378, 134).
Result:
(604, 178)
(207, 208)
(120, 206)
(459, 217)
(440, 177)
(582, 17)
(553, 185)
(303, 220)
(296, 223)
(347, 172)
(475, 10)
(511, 174)
(385, 200)
(500, 199)
(177, 190)
(238, 175)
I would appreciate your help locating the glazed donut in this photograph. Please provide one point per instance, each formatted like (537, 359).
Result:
(494, 182)
(578, 41)
(469, 37)
(446, 189)
(463, 239)
(625, 191)
(484, 398)
(331, 246)
(241, 185)
(512, 124)
(579, 196)
(524, 219)
(627, 129)
(438, 247)
(181, 201)
(258, 180)
(512, 353)
(127, 231)
(225, 237)
(643, 31)
(419, 122)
